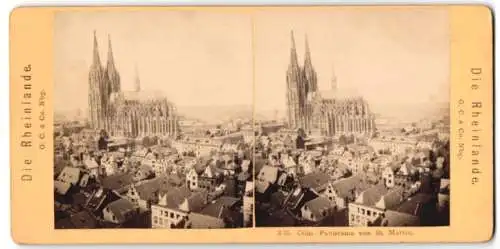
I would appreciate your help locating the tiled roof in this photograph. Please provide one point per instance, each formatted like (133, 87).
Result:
(120, 208)
(197, 200)
(261, 186)
(220, 207)
(117, 181)
(91, 164)
(61, 187)
(176, 196)
(268, 174)
(398, 219)
(373, 194)
(317, 181)
(148, 190)
(413, 204)
(318, 205)
(393, 198)
(69, 175)
(345, 187)
(199, 221)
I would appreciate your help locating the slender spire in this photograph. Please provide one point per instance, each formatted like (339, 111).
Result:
(137, 80)
(111, 71)
(111, 61)
(293, 52)
(309, 71)
(307, 57)
(96, 60)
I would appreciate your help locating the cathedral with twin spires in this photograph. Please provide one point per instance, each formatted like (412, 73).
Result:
(126, 113)
(323, 113)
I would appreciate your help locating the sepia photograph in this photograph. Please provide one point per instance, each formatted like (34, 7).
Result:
(352, 118)
(153, 120)
(182, 124)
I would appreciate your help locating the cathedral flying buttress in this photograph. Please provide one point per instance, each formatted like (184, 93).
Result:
(322, 113)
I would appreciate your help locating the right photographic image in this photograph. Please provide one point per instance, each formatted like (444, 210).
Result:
(352, 117)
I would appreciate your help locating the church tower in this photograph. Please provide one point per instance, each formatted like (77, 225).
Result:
(295, 90)
(310, 76)
(96, 90)
(311, 87)
(111, 71)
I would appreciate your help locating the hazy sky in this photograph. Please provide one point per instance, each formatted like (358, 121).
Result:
(394, 58)
(194, 58)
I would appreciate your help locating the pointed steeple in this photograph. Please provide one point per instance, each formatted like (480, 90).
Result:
(137, 83)
(96, 62)
(307, 57)
(293, 52)
(309, 71)
(111, 71)
(111, 61)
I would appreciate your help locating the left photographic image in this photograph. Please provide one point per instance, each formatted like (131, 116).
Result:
(153, 120)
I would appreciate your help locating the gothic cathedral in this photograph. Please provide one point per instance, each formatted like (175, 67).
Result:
(318, 113)
(125, 113)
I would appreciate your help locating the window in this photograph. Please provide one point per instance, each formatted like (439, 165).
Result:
(161, 221)
(368, 212)
(155, 220)
(172, 215)
(362, 211)
(166, 213)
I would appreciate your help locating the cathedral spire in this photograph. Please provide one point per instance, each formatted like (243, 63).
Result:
(111, 71)
(137, 86)
(293, 52)
(96, 59)
(111, 62)
(309, 71)
(307, 57)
